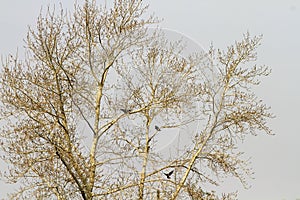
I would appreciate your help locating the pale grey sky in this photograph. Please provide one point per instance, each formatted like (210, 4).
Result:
(275, 159)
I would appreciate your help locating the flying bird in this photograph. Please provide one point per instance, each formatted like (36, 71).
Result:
(125, 110)
(168, 175)
(157, 128)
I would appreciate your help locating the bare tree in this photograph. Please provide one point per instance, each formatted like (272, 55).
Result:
(81, 109)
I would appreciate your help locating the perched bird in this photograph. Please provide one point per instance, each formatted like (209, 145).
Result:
(125, 110)
(168, 175)
(157, 128)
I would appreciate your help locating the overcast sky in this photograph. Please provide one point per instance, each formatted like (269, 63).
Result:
(275, 159)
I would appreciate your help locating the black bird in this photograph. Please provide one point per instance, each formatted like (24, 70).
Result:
(125, 110)
(168, 175)
(157, 128)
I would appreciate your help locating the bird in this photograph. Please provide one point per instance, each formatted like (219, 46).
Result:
(157, 128)
(125, 110)
(168, 175)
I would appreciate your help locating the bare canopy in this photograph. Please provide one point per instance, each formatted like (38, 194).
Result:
(81, 109)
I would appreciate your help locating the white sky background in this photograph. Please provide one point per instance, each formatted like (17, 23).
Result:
(275, 159)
